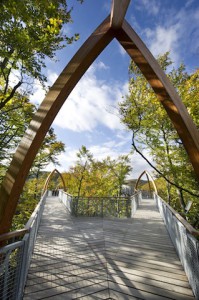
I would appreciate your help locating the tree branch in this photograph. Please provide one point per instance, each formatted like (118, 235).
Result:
(160, 173)
(3, 103)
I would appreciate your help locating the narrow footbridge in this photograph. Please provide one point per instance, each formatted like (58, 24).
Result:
(142, 256)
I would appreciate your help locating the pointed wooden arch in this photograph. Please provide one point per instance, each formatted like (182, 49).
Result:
(112, 27)
(149, 176)
(49, 178)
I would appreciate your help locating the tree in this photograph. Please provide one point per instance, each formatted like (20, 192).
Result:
(33, 187)
(30, 32)
(47, 154)
(84, 158)
(120, 168)
(13, 123)
(142, 113)
(94, 178)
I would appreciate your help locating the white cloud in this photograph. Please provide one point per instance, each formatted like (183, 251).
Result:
(164, 39)
(152, 7)
(52, 76)
(66, 160)
(39, 93)
(177, 32)
(139, 164)
(111, 148)
(100, 152)
(89, 104)
(101, 65)
(188, 21)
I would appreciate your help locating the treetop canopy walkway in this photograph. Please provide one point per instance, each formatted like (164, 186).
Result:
(140, 256)
(114, 26)
(99, 258)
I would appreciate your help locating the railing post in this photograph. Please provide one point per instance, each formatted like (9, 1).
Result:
(5, 284)
(24, 266)
(139, 197)
(102, 207)
(132, 205)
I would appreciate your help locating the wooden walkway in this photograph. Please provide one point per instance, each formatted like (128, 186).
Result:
(95, 258)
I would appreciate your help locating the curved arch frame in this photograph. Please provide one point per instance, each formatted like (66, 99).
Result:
(16, 175)
(49, 178)
(148, 175)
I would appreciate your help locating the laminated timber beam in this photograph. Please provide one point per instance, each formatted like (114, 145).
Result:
(164, 90)
(24, 156)
(49, 178)
(118, 12)
(112, 27)
(148, 175)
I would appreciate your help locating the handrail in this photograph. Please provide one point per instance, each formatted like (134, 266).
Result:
(28, 224)
(98, 197)
(183, 236)
(13, 234)
(188, 226)
(23, 231)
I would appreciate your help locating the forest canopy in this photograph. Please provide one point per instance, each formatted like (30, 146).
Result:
(151, 129)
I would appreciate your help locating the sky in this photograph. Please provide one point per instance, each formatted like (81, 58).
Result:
(89, 116)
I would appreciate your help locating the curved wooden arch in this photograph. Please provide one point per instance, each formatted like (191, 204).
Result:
(50, 176)
(148, 175)
(110, 28)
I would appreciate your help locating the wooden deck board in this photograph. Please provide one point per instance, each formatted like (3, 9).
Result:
(95, 258)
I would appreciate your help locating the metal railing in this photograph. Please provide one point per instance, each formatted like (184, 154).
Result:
(186, 245)
(15, 256)
(67, 200)
(101, 206)
(16, 253)
(135, 202)
(146, 194)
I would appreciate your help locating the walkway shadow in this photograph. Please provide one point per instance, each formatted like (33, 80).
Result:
(105, 258)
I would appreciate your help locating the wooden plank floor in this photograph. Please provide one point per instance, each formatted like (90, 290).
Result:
(95, 258)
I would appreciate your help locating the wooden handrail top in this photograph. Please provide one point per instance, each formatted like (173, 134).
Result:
(13, 234)
(20, 232)
(188, 226)
(115, 197)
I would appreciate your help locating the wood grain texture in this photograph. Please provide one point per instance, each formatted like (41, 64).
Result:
(148, 176)
(118, 11)
(164, 90)
(49, 178)
(16, 175)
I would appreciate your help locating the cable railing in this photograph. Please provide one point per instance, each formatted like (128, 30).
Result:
(15, 255)
(183, 236)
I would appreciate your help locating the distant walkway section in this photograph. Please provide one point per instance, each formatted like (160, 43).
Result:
(99, 258)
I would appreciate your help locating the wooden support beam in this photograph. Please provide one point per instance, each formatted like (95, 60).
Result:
(50, 176)
(16, 175)
(118, 12)
(148, 175)
(164, 90)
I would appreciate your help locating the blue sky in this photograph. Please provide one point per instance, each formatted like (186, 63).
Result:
(89, 116)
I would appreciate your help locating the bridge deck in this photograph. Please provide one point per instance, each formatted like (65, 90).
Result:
(95, 258)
